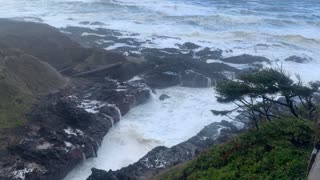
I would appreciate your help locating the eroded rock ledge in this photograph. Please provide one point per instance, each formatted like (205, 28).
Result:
(68, 127)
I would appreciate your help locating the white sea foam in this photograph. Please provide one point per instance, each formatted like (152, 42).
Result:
(255, 27)
(92, 34)
(154, 123)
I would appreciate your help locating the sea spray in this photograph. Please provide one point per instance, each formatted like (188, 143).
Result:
(209, 82)
(152, 124)
(117, 110)
(109, 118)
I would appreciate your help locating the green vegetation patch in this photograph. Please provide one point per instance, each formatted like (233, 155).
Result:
(279, 150)
(13, 106)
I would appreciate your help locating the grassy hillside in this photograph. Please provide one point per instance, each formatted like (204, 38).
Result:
(279, 150)
(22, 78)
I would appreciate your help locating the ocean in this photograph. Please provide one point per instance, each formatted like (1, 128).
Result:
(271, 28)
(274, 29)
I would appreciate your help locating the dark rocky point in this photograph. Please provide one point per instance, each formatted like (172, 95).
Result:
(246, 59)
(298, 59)
(164, 97)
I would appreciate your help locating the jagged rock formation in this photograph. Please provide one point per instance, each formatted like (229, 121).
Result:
(55, 121)
(67, 128)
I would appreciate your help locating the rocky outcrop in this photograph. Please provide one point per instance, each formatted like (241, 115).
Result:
(68, 127)
(163, 79)
(161, 158)
(165, 67)
(99, 58)
(163, 97)
(187, 72)
(194, 79)
(246, 59)
(298, 59)
(208, 53)
(122, 69)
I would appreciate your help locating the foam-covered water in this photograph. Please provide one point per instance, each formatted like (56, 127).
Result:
(273, 28)
(154, 123)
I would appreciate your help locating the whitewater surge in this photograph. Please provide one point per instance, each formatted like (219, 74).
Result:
(154, 123)
(271, 28)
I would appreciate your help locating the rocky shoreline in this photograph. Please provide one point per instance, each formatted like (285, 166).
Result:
(67, 125)
(162, 158)
(62, 133)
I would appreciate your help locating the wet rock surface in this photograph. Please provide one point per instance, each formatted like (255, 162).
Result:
(246, 59)
(298, 59)
(161, 158)
(164, 97)
(68, 127)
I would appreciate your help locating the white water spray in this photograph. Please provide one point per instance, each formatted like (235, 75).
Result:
(154, 123)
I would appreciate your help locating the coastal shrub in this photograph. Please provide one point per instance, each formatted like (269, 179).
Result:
(257, 95)
(279, 150)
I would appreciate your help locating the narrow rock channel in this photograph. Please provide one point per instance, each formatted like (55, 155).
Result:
(157, 122)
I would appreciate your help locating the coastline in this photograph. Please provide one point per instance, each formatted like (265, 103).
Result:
(67, 127)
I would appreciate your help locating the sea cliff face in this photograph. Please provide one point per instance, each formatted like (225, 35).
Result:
(64, 121)
(64, 129)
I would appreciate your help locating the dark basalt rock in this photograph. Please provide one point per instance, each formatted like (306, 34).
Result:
(194, 79)
(207, 53)
(298, 59)
(97, 23)
(163, 79)
(171, 71)
(101, 175)
(161, 158)
(113, 65)
(190, 45)
(158, 61)
(164, 97)
(61, 133)
(53, 144)
(246, 59)
(84, 22)
(72, 114)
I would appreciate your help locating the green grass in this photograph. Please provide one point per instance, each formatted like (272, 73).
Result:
(279, 150)
(13, 106)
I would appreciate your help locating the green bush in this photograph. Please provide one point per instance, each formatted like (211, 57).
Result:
(279, 150)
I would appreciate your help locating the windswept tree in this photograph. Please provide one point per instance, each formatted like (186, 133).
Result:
(257, 94)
